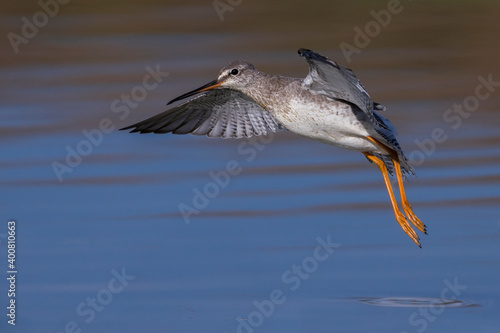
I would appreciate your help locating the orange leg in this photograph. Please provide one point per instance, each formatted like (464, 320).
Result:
(400, 217)
(406, 204)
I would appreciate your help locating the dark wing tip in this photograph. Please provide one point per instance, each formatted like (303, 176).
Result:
(137, 130)
(306, 53)
(303, 52)
(133, 127)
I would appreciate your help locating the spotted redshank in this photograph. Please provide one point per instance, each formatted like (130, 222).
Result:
(330, 105)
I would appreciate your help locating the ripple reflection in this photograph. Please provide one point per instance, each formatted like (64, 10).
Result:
(413, 302)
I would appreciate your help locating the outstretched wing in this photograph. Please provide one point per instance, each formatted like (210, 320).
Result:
(336, 81)
(222, 113)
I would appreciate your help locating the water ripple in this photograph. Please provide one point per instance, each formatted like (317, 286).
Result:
(413, 302)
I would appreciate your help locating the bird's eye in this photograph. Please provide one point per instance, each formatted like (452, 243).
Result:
(234, 72)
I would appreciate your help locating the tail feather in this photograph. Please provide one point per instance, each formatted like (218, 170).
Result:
(388, 132)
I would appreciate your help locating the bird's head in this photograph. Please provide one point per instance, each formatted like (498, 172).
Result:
(236, 75)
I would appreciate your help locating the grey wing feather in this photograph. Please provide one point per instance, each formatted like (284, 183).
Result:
(336, 81)
(222, 113)
(333, 80)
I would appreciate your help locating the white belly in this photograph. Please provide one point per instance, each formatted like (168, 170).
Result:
(332, 123)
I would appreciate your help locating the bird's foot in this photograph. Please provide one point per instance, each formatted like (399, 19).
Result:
(413, 218)
(401, 218)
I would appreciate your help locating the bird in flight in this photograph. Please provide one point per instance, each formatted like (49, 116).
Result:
(329, 105)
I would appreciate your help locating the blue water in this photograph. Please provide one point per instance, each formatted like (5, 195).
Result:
(105, 247)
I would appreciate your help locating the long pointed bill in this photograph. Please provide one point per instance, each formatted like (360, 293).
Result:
(210, 85)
